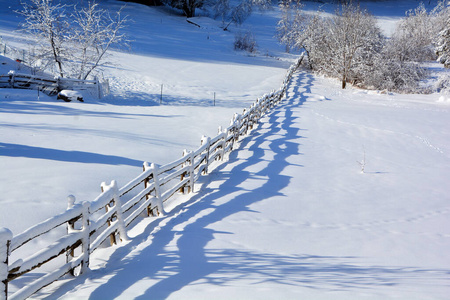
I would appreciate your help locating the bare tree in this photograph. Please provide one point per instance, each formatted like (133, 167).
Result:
(46, 23)
(78, 43)
(220, 8)
(95, 33)
(187, 6)
(353, 36)
(291, 14)
(244, 8)
(341, 46)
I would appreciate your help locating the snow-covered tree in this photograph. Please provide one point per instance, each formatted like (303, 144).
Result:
(187, 6)
(443, 46)
(74, 44)
(441, 25)
(286, 28)
(47, 24)
(389, 73)
(352, 38)
(220, 8)
(95, 33)
(341, 46)
(412, 39)
(242, 9)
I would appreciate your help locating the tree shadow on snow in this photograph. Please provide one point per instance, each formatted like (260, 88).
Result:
(16, 150)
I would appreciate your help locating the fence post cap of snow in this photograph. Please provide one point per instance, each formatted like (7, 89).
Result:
(70, 201)
(113, 184)
(186, 152)
(5, 234)
(146, 165)
(86, 204)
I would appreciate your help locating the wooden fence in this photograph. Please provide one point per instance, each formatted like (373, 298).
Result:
(51, 86)
(84, 227)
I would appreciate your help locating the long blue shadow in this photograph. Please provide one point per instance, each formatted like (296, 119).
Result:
(16, 150)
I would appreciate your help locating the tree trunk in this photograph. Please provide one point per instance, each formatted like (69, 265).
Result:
(189, 9)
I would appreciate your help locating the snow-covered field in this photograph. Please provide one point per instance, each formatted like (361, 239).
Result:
(290, 216)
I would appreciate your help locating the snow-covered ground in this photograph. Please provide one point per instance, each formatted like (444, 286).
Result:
(52, 149)
(290, 216)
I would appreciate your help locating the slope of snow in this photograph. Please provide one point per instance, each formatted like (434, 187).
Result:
(292, 216)
(51, 149)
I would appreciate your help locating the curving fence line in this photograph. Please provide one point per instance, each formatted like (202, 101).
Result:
(85, 227)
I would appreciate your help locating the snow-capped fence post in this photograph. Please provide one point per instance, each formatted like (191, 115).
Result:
(146, 184)
(236, 125)
(154, 174)
(112, 237)
(118, 207)
(11, 79)
(224, 134)
(115, 204)
(231, 133)
(159, 202)
(5, 242)
(70, 228)
(86, 240)
(191, 172)
(185, 153)
(207, 141)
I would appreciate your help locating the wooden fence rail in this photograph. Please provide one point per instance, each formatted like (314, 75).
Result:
(52, 86)
(84, 227)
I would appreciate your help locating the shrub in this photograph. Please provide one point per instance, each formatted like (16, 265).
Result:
(245, 41)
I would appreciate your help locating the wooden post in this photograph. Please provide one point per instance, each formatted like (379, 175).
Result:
(159, 203)
(184, 173)
(237, 123)
(70, 228)
(147, 196)
(112, 236)
(118, 207)
(191, 172)
(11, 79)
(207, 140)
(86, 242)
(157, 189)
(5, 242)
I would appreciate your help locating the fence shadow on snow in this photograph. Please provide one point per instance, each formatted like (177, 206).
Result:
(85, 227)
(192, 261)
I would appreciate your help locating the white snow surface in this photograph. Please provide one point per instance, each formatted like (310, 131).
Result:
(290, 216)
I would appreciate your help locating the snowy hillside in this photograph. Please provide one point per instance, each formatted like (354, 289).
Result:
(291, 216)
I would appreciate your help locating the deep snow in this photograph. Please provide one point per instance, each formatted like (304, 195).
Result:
(290, 216)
